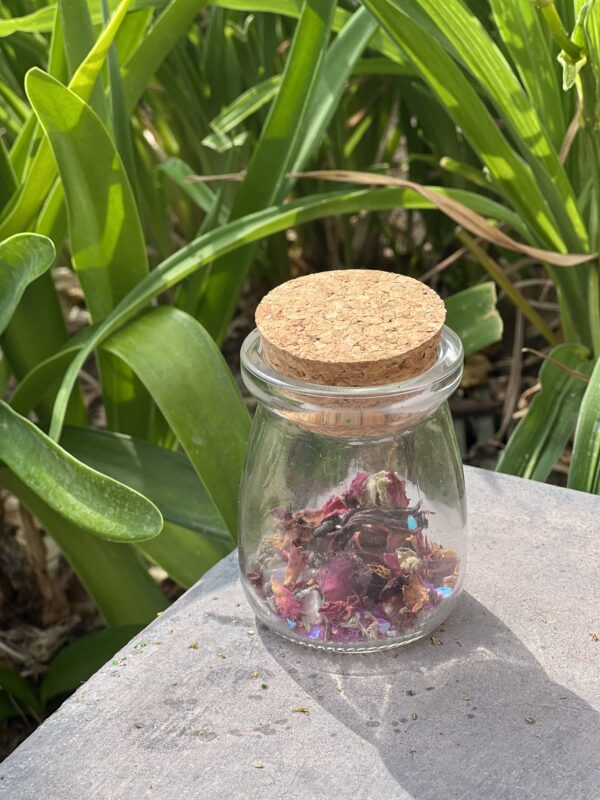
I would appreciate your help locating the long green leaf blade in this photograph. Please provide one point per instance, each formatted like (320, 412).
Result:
(542, 435)
(584, 473)
(89, 499)
(202, 404)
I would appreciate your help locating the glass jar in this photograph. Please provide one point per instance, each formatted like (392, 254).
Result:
(352, 520)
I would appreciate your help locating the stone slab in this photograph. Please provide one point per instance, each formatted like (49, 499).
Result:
(505, 708)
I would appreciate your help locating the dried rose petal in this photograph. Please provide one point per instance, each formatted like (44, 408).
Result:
(415, 594)
(297, 560)
(333, 505)
(285, 601)
(357, 488)
(337, 578)
(396, 491)
(340, 610)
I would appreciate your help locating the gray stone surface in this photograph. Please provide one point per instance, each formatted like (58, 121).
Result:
(506, 708)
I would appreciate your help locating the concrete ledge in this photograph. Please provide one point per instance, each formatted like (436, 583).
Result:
(204, 705)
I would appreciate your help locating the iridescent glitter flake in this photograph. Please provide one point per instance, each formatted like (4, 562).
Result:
(360, 568)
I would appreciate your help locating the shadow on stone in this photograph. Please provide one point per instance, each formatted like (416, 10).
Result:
(476, 716)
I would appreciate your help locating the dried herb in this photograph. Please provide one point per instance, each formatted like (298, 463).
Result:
(360, 568)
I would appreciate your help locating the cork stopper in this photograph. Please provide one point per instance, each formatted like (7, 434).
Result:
(351, 327)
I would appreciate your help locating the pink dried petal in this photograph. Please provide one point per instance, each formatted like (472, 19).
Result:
(357, 488)
(297, 559)
(391, 561)
(396, 491)
(337, 578)
(340, 610)
(285, 601)
(333, 505)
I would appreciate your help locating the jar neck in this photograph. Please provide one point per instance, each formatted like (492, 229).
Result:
(346, 411)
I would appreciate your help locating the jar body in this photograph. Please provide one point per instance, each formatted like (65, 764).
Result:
(352, 542)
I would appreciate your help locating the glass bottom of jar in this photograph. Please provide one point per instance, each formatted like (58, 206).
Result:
(427, 625)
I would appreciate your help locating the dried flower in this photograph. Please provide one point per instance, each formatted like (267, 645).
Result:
(297, 560)
(396, 491)
(359, 568)
(287, 604)
(415, 594)
(337, 578)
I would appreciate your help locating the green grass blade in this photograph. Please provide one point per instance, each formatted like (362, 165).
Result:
(271, 158)
(529, 47)
(584, 473)
(113, 574)
(204, 197)
(542, 435)
(87, 498)
(227, 239)
(472, 314)
(23, 258)
(339, 61)
(242, 107)
(202, 405)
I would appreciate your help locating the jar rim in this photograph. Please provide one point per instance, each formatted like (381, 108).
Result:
(445, 372)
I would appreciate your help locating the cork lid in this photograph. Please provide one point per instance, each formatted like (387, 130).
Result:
(354, 327)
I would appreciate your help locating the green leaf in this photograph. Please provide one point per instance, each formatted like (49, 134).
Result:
(173, 23)
(8, 178)
(528, 44)
(333, 76)
(472, 314)
(113, 574)
(42, 172)
(38, 21)
(89, 499)
(483, 58)
(23, 258)
(77, 662)
(16, 686)
(164, 477)
(458, 96)
(225, 240)
(204, 197)
(584, 473)
(79, 38)
(105, 231)
(270, 159)
(542, 435)
(107, 243)
(529, 193)
(242, 107)
(190, 382)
